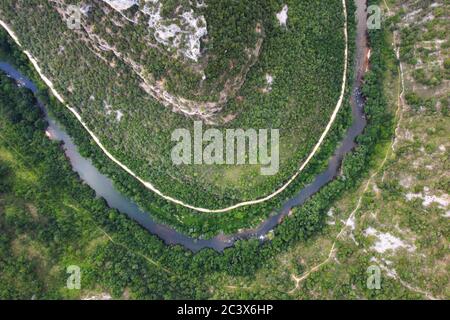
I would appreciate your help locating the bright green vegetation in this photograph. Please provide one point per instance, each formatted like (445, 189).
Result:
(305, 59)
(50, 220)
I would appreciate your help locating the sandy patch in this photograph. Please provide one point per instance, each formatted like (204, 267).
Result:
(442, 201)
(386, 241)
(100, 296)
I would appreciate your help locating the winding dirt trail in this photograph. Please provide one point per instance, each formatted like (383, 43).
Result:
(149, 185)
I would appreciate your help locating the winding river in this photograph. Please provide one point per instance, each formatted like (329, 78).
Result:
(104, 186)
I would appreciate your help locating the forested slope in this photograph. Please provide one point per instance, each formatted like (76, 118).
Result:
(305, 59)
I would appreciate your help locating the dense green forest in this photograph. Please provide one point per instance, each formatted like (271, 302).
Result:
(49, 219)
(305, 58)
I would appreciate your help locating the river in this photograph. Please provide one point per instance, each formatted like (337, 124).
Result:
(104, 187)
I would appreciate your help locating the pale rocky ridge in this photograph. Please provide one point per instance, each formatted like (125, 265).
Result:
(182, 34)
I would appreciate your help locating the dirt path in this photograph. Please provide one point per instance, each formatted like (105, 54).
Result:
(149, 185)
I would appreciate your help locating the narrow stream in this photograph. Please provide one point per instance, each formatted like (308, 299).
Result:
(104, 186)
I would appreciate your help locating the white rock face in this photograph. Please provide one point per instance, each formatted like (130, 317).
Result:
(386, 241)
(269, 80)
(119, 115)
(182, 33)
(428, 200)
(282, 16)
(442, 201)
(85, 9)
(121, 5)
